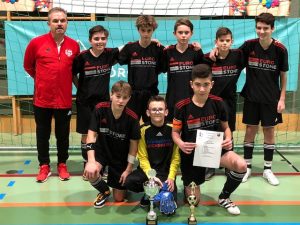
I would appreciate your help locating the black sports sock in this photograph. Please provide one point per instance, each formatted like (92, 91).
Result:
(233, 181)
(100, 185)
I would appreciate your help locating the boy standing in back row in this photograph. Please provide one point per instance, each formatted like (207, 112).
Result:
(264, 91)
(144, 59)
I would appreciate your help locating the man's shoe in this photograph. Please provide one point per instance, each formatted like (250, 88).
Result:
(44, 173)
(230, 206)
(144, 202)
(62, 171)
(209, 173)
(101, 199)
(247, 175)
(270, 177)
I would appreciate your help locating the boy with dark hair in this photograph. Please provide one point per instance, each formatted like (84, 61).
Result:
(94, 68)
(264, 91)
(178, 62)
(144, 59)
(226, 71)
(206, 112)
(156, 150)
(112, 140)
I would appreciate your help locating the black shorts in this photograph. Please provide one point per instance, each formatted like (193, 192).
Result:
(138, 103)
(266, 114)
(189, 172)
(230, 105)
(83, 117)
(114, 170)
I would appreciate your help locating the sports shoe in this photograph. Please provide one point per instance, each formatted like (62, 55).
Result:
(209, 173)
(101, 199)
(230, 206)
(270, 177)
(44, 173)
(62, 171)
(144, 202)
(247, 175)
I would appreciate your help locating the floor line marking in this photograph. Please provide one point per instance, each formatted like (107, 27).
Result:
(60, 204)
(11, 183)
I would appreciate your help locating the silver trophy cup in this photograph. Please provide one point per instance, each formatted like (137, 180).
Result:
(151, 189)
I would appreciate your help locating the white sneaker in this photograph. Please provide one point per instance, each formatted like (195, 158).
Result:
(247, 175)
(270, 177)
(230, 206)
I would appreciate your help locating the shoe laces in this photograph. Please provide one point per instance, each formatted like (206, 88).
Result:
(44, 169)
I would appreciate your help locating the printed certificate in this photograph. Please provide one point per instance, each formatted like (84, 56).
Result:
(208, 150)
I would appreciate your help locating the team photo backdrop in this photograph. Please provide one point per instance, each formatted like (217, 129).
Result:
(19, 33)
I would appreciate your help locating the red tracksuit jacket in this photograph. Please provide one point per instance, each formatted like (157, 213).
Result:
(52, 72)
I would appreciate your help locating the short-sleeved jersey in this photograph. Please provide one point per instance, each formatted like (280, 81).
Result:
(225, 73)
(263, 67)
(94, 75)
(144, 65)
(157, 148)
(189, 117)
(179, 70)
(114, 135)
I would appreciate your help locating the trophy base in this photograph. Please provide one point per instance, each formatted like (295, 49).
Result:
(151, 222)
(192, 222)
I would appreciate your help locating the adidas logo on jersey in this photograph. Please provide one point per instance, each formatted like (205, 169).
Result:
(252, 53)
(159, 134)
(134, 54)
(190, 117)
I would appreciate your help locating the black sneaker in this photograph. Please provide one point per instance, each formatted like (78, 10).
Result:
(209, 173)
(144, 202)
(101, 199)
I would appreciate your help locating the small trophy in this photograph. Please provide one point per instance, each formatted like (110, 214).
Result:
(192, 200)
(151, 189)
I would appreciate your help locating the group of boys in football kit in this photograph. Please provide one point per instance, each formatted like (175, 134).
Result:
(201, 94)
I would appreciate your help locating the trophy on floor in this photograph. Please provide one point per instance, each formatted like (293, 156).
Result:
(192, 200)
(151, 189)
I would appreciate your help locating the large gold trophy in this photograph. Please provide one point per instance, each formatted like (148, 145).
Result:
(151, 189)
(192, 200)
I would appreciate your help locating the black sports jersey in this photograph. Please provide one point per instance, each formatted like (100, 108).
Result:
(94, 75)
(263, 70)
(157, 148)
(225, 74)
(144, 65)
(188, 117)
(179, 67)
(114, 135)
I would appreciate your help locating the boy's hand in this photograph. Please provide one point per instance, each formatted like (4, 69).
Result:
(280, 106)
(171, 185)
(91, 170)
(227, 144)
(213, 54)
(196, 45)
(124, 176)
(157, 42)
(187, 147)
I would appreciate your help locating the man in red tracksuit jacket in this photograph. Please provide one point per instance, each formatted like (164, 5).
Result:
(48, 60)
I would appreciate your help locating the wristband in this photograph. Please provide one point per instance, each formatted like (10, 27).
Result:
(131, 159)
(90, 146)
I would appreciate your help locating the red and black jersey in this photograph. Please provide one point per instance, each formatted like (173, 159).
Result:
(179, 68)
(189, 117)
(144, 65)
(114, 135)
(263, 69)
(225, 73)
(94, 75)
